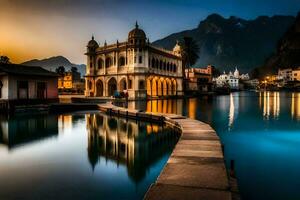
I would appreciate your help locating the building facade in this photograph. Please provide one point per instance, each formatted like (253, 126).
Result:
(296, 74)
(200, 79)
(68, 79)
(71, 82)
(24, 85)
(285, 74)
(231, 80)
(135, 67)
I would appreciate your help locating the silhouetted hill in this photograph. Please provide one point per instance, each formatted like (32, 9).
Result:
(231, 42)
(53, 62)
(287, 53)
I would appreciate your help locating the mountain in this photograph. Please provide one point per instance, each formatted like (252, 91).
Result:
(53, 62)
(287, 53)
(230, 42)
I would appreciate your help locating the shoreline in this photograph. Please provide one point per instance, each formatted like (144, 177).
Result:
(195, 169)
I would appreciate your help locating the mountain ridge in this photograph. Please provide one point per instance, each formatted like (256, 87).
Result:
(53, 62)
(233, 41)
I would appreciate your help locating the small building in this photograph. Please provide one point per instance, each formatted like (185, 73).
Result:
(296, 74)
(200, 79)
(285, 74)
(71, 81)
(21, 85)
(68, 79)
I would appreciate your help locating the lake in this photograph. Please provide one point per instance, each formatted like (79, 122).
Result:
(90, 155)
(260, 132)
(80, 156)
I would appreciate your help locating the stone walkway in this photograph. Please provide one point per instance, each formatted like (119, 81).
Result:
(195, 169)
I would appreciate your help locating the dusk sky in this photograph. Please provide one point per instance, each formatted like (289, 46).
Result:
(38, 29)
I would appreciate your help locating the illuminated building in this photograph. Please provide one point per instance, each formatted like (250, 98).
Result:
(200, 79)
(134, 66)
(127, 143)
(231, 80)
(68, 80)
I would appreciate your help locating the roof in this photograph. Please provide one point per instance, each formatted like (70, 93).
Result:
(17, 69)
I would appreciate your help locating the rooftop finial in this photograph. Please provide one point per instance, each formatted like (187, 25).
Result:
(136, 24)
(92, 37)
(105, 43)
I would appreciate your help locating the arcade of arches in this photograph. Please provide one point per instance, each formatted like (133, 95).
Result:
(154, 86)
(160, 86)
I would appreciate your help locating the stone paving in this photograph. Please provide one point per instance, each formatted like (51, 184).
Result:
(195, 169)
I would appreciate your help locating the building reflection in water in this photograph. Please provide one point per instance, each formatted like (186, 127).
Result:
(173, 106)
(135, 145)
(295, 106)
(233, 109)
(270, 103)
(18, 131)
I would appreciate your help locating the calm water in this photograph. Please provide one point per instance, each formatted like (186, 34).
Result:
(80, 156)
(261, 133)
(88, 156)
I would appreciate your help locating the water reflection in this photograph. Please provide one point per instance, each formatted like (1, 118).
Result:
(233, 109)
(270, 103)
(295, 106)
(16, 132)
(135, 145)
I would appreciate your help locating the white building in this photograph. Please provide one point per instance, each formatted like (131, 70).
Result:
(231, 80)
(135, 67)
(285, 74)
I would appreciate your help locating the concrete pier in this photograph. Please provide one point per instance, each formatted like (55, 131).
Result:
(195, 169)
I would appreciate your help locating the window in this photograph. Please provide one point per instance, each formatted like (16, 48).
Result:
(90, 85)
(108, 62)
(129, 84)
(122, 61)
(22, 89)
(140, 59)
(141, 85)
(100, 63)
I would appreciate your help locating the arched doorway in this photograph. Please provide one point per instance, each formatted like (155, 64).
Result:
(123, 85)
(159, 87)
(174, 87)
(112, 86)
(165, 88)
(149, 87)
(154, 87)
(99, 88)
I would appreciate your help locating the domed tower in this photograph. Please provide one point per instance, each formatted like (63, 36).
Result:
(137, 36)
(177, 49)
(91, 55)
(236, 73)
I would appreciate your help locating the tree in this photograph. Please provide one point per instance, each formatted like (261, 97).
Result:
(74, 69)
(60, 70)
(4, 59)
(189, 51)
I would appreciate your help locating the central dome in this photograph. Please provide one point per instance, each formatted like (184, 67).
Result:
(137, 33)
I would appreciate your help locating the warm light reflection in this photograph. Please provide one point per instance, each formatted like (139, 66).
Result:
(192, 108)
(271, 104)
(295, 106)
(64, 122)
(127, 142)
(171, 106)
